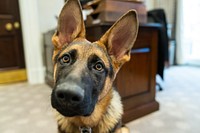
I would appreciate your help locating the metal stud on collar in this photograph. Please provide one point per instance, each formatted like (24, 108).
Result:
(85, 130)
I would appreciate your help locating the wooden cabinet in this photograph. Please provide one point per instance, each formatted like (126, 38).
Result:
(136, 79)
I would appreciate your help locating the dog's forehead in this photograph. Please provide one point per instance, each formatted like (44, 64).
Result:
(85, 49)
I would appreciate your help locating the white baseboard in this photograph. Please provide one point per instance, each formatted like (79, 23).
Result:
(36, 75)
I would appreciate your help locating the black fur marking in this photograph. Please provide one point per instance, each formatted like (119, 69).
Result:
(98, 76)
(111, 71)
(56, 57)
(72, 54)
(59, 130)
(62, 69)
(118, 125)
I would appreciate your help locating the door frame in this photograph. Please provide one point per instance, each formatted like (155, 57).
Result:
(32, 40)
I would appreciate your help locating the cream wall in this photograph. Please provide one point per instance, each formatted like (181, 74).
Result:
(37, 17)
(48, 10)
(149, 4)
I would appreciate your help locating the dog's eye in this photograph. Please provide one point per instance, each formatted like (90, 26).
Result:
(65, 59)
(98, 66)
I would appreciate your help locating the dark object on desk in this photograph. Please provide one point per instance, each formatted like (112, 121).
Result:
(158, 16)
(136, 79)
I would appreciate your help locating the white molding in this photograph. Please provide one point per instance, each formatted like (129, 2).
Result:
(32, 40)
(179, 34)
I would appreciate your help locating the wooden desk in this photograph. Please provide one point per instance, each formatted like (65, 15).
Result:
(136, 79)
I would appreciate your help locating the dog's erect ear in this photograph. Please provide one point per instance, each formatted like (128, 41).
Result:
(70, 24)
(119, 39)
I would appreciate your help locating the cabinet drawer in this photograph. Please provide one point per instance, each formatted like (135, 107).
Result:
(143, 38)
(134, 76)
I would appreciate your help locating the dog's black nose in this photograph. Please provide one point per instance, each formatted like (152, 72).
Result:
(69, 94)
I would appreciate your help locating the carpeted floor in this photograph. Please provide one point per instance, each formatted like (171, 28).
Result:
(26, 108)
(179, 104)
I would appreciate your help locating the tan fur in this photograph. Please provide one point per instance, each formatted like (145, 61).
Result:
(71, 35)
(108, 110)
(123, 130)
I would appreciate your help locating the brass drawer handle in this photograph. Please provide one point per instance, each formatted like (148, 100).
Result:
(16, 25)
(8, 26)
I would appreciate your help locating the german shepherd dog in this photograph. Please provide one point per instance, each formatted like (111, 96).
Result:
(83, 95)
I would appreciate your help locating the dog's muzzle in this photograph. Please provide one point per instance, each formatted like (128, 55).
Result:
(70, 100)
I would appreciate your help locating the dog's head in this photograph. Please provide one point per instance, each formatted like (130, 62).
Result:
(84, 71)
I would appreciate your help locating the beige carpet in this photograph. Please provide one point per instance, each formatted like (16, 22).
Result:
(179, 104)
(26, 108)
